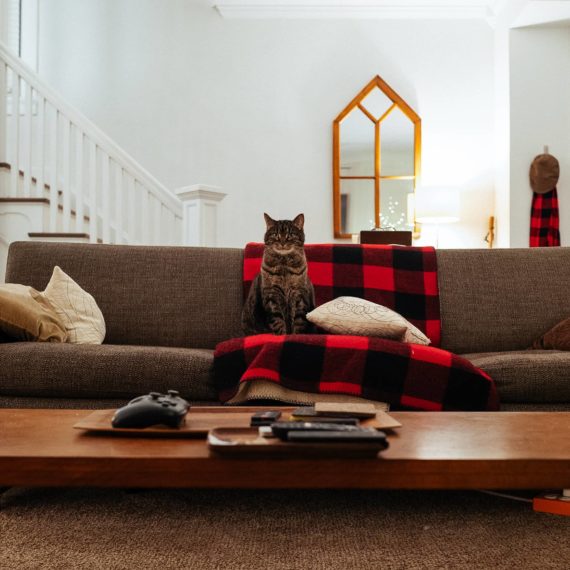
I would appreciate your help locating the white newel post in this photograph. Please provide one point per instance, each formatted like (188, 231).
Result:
(3, 111)
(200, 207)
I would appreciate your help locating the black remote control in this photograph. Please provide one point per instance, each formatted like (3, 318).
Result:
(325, 420)
(265, 418)
(363, 435)
(283, 429)
(155, 408)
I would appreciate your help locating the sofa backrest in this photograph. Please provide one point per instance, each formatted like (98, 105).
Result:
(156, 296)
(491, 300)
(501, 299)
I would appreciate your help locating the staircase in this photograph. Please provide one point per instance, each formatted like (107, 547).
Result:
(63, 179)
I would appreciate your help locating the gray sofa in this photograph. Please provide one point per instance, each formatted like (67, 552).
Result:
(167, 307)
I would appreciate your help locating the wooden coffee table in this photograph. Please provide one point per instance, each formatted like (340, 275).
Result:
(452, 450)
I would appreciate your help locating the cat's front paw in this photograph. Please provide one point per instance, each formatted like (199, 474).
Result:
(304, 328)
(278, 327)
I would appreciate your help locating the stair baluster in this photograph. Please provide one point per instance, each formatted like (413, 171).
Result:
(131, 210)
(52, 168)
(93, 233)
(40, 137)
(78, 161)
(15, 135)
(105, 200)
(64, 183)
(119, 194)
(27, 140)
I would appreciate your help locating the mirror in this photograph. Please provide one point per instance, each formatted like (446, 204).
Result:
(397, 145)
(376, 162)
(357, 145)
(357, 203)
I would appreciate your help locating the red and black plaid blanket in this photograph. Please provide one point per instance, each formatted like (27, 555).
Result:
(544, 220)
(403, 279)
(407, 376)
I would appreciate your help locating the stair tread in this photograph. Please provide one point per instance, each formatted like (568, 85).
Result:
(21, 173)
(61, 235)
(24, 200)
(47, 201)
(58, 234)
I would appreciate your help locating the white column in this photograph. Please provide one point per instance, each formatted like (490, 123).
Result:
(506, 13)
(3, 110)
(200, 206)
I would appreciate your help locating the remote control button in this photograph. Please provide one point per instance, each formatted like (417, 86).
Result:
(155, 395)
(173, 393)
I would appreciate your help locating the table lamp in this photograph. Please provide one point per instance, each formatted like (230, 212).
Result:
(437, 205)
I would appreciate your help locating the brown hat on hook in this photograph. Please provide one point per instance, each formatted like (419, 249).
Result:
(544, 173)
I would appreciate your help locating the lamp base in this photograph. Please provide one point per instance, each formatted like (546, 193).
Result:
(386, 237)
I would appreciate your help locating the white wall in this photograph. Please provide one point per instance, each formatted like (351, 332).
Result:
(540, 115)
(9, 26)
(248, 105)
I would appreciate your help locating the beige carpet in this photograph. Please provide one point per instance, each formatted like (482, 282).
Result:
(226, 530)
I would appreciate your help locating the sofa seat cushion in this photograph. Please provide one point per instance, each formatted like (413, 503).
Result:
(103, 371)
(527, 376)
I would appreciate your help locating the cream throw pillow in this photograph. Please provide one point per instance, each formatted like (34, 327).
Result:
(354, 316)
(76, 309)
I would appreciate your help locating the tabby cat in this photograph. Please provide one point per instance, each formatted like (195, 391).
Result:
(281, 295)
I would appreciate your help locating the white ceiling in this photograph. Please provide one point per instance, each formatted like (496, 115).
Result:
(384, 9)
(537, 12)
(519, 13)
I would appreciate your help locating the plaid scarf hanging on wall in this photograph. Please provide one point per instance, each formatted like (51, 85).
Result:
(544, 220)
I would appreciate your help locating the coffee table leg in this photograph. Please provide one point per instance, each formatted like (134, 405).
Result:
(2, 491)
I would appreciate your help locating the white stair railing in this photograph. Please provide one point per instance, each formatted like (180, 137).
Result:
(92, 184)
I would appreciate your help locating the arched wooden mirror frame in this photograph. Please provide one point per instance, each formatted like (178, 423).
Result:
(397, 101)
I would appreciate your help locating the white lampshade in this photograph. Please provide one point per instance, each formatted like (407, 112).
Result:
(437, 205)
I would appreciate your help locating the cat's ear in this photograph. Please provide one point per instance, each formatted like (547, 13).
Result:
(269, 221)
(299, 221)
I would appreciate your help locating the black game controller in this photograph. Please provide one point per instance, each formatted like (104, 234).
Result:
(155, 408)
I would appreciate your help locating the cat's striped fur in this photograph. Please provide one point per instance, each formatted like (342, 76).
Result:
(281, 295)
